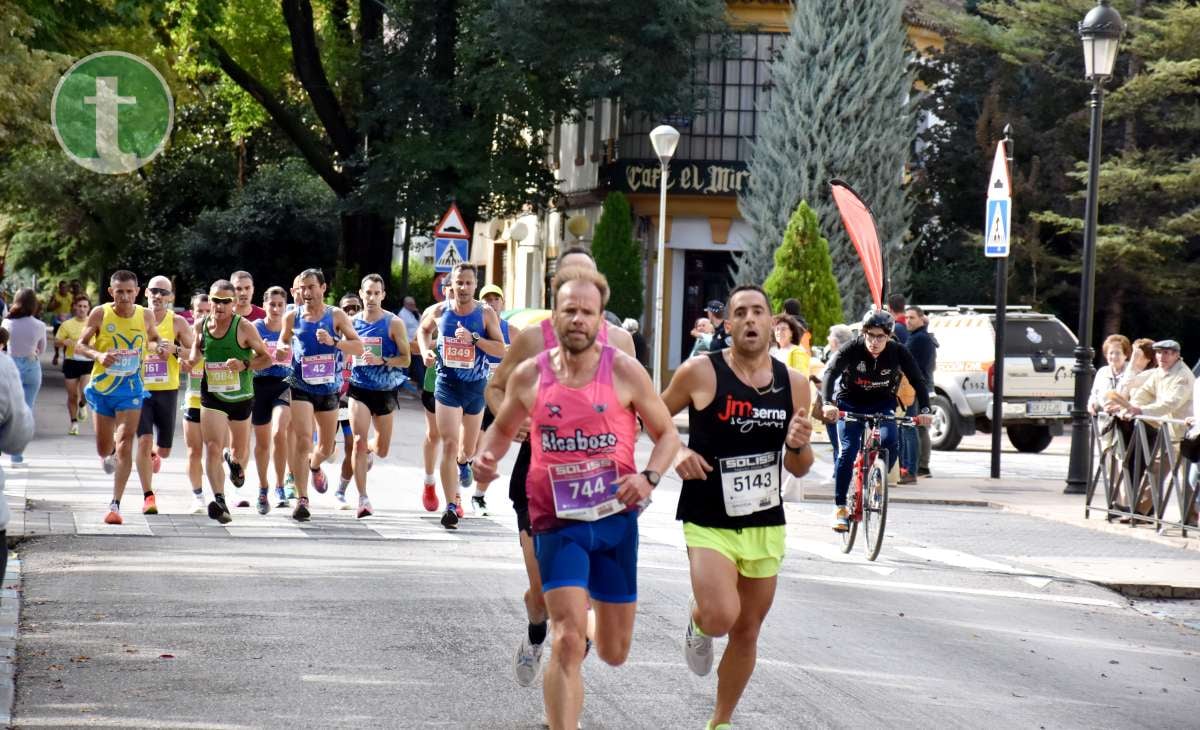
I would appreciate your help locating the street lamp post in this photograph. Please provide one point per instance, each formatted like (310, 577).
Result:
(664, 138)
(1100, 32)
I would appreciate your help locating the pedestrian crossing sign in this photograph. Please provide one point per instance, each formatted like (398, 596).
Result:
(995, 240)
(449, 252)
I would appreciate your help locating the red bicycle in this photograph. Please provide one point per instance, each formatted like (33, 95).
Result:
(869, 498)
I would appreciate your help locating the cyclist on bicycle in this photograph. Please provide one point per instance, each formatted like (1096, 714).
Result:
(869, 367)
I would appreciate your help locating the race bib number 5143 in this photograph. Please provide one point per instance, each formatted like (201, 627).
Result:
(750, 483)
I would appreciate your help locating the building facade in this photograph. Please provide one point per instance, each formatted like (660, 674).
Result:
(607, 149)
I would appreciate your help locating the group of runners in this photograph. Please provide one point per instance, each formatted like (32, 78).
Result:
(568, 389)
(275, 371)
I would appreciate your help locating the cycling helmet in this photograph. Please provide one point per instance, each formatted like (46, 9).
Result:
(879, 318)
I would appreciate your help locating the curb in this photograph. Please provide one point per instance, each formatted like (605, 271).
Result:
(1152, 590)
(826, 497)
(10, 615)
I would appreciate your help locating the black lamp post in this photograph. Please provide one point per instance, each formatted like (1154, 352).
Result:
(1101, 33)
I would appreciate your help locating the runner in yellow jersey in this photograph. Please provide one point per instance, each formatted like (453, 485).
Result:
(59, 304)
(76, 367)
(116, 336)
(160, 373)
(192, 436)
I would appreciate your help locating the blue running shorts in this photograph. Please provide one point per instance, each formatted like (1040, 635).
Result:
(108, 404)
(464, 394)
(600, 556)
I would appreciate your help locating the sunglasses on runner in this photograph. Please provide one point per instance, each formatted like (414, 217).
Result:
(220, 300)
(159, 292)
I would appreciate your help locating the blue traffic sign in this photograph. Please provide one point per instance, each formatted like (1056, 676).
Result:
(996, 238)
(449, 252)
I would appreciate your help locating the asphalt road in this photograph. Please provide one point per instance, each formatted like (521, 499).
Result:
(948, 629)
(176, 622)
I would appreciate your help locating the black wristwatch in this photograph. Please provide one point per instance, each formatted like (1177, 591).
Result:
(475, 338)
(653, 477)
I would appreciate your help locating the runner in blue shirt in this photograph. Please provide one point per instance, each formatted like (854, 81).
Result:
(375, 377)
(469, 330)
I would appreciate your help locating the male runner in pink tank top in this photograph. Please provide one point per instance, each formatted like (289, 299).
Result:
(584, 489)
(526, 346)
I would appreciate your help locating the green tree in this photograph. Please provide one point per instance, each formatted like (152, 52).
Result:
(619, 256)
(454, 103)
(803, 270)
(837, 109)
(1148, 244)
(283, 209)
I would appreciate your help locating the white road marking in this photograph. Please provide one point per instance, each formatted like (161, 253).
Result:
(972, 562)
(926, 588)
(833, 553)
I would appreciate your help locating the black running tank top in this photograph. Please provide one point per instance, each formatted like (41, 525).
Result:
(740, 434)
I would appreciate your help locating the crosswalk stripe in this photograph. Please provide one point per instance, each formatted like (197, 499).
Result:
(833, 553)
(928, 588)
(960, 559)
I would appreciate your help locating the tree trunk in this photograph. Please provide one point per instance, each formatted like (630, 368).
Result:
(1114, 310)
(365, 243)
(404, 263)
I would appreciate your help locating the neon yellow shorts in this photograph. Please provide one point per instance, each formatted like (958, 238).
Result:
(756, 551)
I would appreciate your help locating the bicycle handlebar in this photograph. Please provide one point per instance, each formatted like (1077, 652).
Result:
(851, 416)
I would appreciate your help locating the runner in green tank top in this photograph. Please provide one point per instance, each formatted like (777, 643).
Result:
(230, 347)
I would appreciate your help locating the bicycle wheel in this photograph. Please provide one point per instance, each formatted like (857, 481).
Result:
(848, 535)
(875, 499)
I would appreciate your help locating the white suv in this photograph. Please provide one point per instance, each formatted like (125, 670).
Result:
(1039, 385)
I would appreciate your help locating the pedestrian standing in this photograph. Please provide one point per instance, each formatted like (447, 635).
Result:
(896, 305)
(923, 345)
(26, 343)
(631, 326)
(839, 336)
(720, 337)
(702, 332)
(16, 430)
(411, 317)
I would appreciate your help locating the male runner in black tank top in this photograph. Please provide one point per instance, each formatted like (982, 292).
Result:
(526, 345)
(748, 416)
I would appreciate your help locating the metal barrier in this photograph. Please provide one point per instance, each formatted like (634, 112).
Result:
(1148, 462)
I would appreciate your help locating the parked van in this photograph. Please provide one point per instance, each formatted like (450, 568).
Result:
(1039, 385)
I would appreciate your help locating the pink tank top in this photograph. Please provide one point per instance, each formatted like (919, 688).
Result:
(582, 440)
(550, 339)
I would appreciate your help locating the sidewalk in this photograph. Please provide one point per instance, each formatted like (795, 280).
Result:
(1042, 498)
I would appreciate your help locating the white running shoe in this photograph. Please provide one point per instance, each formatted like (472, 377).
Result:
(528, 661)
(697, 649)
(74, 429)
(199, 506)
(109, 463)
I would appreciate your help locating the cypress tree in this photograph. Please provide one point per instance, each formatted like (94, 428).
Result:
(619, 256)
(838, 108)
(803, 270)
